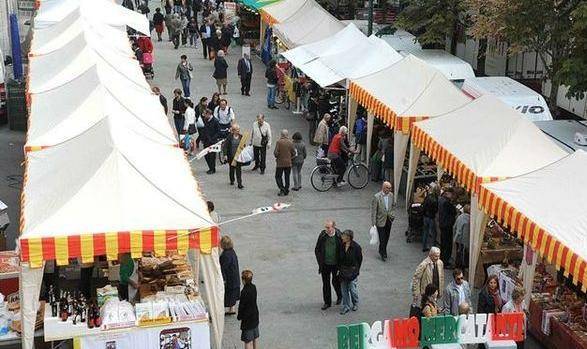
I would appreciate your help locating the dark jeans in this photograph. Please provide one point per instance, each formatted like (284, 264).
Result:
(339, 166)
(175, 39)
(211, 161)
(462, 258)
(428, 233)
(260, 153)
(312, 130)
(445, 244)
(205, 47)
(328, 272)
(231, 172)
(384, 233)
(246, 83)
(280, 174)
(200, 132)
(179, 121)
(185, 84)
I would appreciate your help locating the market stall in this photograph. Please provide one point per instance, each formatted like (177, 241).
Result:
(544, 208)
(407, 91)
(482, 141)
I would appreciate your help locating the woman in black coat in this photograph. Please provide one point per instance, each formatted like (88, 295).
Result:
(349, 265)
(248, 313)
(220, 72)
(230, 274)
(489, 298)
(178, 111)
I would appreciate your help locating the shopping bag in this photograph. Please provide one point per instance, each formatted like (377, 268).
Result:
(246, 156)
(374, 236)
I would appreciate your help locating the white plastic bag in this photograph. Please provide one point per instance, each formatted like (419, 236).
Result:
(374, 236)
(246, 155)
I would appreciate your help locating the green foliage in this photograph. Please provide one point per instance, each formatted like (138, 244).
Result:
(573, 72)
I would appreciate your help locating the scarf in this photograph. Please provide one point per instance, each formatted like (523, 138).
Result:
(496, 299)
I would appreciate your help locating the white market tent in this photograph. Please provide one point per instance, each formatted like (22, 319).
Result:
(308, 24)
(546, 208)
(57, 68)
(405, 92)
(90, 98)
(483, 141)
(280, 11)
(403, 42)
(342, 57)
(451, 66)
(526, 101)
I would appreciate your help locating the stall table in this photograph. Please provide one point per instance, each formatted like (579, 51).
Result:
(561, 336)
(493, 256)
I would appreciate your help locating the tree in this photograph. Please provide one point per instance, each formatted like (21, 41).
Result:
(574, 69)
(543, 26)
(431, 21)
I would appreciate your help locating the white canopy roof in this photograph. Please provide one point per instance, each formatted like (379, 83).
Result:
(49, 39)
(344, 57)
(52, 12)
(402, 41)
(71, 109)
(309, 24)
(281, 10)
(412, 88)
(114, 186)
(76, 57)
(492, 139)
(451, 66)
(553, 197)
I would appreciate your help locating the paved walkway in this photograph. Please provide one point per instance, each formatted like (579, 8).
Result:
(279, 248)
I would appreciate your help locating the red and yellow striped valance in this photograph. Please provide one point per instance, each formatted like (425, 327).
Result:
(541, 241)
(383, 112)
(86, 246)
(450, 163)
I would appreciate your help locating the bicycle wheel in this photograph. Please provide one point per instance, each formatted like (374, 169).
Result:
(321, 178)
(358, 176)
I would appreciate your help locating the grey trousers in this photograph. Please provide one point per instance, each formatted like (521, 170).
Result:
(297, 175)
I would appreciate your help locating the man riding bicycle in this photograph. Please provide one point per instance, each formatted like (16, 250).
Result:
(338, 153)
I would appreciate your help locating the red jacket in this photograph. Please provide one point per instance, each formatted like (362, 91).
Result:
(335, 145)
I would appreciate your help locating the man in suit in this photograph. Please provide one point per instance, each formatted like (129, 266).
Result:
(205, 35)
(382, 216)
(245, 71)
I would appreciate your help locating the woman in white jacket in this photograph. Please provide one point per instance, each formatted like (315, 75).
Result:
(189, 127)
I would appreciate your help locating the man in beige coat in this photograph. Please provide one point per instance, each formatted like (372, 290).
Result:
(321, 135)
(382, 216)
(284, 152)
(430, 271)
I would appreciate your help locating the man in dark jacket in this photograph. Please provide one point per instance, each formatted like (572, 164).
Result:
(245, 71)
(327, 252)
(271, 76)
(248, 312)
(205, 35)
(162, 98)
(210, 137)
(447, 214)
(430, 208)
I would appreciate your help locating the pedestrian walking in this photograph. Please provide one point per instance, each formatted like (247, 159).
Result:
(189, 126)
(230, 274)
(429, 271)
(248, 312)
(298, 160)
(210, 137)
(349, 265)
(183, 72)
(226, 37)
(231, 148)
(271, 76)
(168, 23)
(321, 135)
(175, 29)
(214, 101)
(461, 235)
(200, 111)
(490, 301)
(457, 292)
(205, 34)
(327, 251)
(261, 140)
(382, 207)
(284, 152)
(193, 32)
(360, 133)
(447, 215)
(225, 116)
(429, 208)
(158, 22)
(220, 72)
(178, 111)
(429, 301)
(244, 69)
(157, 91)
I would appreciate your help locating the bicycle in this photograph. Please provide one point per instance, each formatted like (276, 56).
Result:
(324, 176)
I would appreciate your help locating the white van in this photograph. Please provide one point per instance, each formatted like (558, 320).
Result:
(520, 97)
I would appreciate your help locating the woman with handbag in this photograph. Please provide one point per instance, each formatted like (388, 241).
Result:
(189, 126)
(349, 264)
(231, 149)
(200, 111)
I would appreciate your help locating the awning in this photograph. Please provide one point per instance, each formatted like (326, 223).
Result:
(405, 92)
(309, 24)
(281, 10)
(258, 4)
(335, 59)
(546, 208)
(485, 141)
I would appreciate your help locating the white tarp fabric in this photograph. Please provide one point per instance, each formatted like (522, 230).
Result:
(403, 42)
(351, 62)
(90, 98)
(451, 66)
(414, 158)
(552, 197)
(49, 39)
(54, 11)
(309, 24)
(214, 293)
(400, 146)
(29, 288)
(57, 68)
(479, 221)
(109, 172)
(282, 10)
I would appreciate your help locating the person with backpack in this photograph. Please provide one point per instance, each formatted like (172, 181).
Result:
(360, 133)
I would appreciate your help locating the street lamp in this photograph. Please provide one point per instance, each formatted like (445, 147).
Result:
(370, 19)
